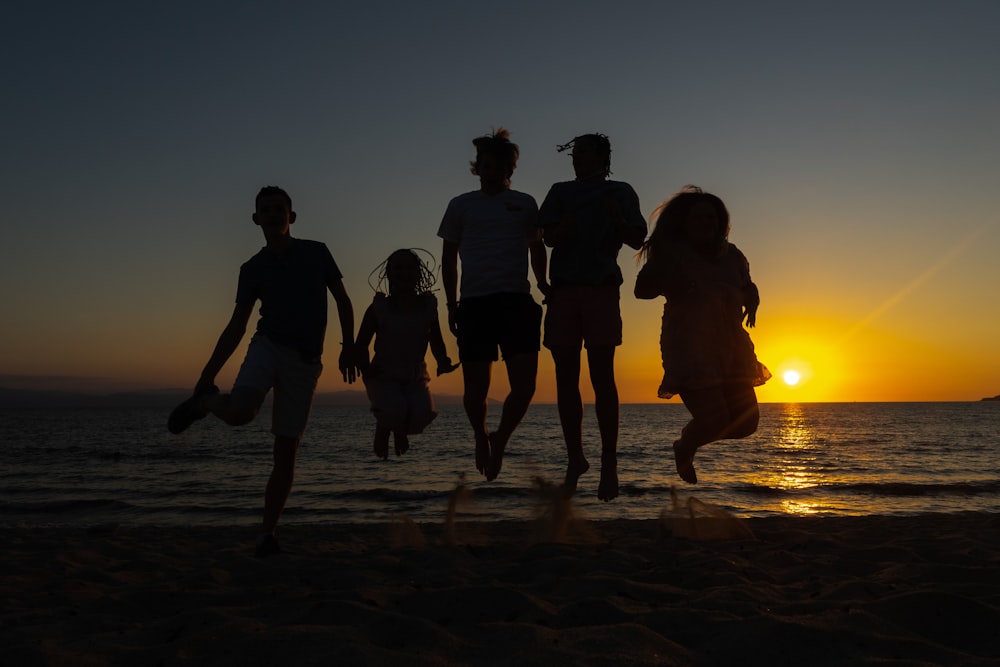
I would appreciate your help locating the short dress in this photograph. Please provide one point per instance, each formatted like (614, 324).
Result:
(397, 384)
(702, 340)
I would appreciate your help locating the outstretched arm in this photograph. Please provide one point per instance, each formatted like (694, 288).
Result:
(345, 311)
(449, 276)
(228, 341)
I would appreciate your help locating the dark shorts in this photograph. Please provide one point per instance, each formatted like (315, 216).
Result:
(510, 322)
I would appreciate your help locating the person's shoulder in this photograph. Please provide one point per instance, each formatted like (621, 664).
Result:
(316, 249)
(466, 197)
(517, 194)
(621, 185)
(309, 244)
(255, 259)
(561, 189)
(515, 200)
(735, 254)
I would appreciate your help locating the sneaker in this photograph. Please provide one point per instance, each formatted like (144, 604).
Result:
(267, 546)
(188, 412)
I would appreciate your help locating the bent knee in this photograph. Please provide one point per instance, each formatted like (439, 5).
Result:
(240, 417)
(243, 405)
(746, 426)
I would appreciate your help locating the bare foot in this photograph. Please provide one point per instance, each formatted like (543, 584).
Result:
(574, 471)
(685, 463)
(482, 453)
(381, 443)
(401, 442)
(496, 457)
(608, 487)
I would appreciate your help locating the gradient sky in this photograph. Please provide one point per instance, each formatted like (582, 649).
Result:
(856, 145)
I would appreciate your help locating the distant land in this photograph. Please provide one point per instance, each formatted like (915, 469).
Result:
(993, 398)
(163, 398)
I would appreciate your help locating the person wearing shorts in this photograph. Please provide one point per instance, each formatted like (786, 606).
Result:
(290, 278)
(585, 222)
(493, 232)
(269, 365)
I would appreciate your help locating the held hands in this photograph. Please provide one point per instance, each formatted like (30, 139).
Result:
(446, 366)
(750, 314)
(546, 289)
(348, 363)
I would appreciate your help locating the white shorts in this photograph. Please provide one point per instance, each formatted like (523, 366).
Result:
(269, 365)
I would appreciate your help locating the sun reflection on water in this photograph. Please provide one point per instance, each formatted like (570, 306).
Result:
(794, 463)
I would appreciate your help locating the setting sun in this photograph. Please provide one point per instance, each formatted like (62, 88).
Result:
(791, 378)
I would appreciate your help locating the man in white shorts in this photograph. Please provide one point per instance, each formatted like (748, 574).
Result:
(290, 277)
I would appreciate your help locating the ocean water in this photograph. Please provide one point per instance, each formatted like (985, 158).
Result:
(104, 466)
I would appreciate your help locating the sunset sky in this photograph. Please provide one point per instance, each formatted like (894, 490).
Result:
(856, 144)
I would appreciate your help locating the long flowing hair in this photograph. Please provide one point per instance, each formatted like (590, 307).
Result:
(670, 217)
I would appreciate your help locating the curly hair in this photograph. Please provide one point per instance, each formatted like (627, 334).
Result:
(599, 142)
(382, 273)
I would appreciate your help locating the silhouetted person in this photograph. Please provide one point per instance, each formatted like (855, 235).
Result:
(290, 277)
(403, 320)
(493, 231)
(708, 358)
(585, 222)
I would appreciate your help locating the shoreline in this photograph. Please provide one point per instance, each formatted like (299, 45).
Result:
(921, 589)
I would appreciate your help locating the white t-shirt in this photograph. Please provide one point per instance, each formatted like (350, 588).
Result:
(492, 233)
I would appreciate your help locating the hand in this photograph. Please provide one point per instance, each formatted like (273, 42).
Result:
(348, 363)
(750, 313)
(546, 289)
(453, 320)
(445, 366)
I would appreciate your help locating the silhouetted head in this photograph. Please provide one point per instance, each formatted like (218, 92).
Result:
(405, 273)
(690, 216)
(273, 191)
(273, 212)
(496, 157)
(591, 155)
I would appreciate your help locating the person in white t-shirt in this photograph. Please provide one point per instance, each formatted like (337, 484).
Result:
(493, 232)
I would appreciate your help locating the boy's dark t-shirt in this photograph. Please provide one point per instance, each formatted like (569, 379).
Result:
(589, 255)
(292, 287)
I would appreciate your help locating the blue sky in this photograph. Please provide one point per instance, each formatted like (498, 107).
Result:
(855, 144)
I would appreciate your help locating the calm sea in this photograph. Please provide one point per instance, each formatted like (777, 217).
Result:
(101, 466)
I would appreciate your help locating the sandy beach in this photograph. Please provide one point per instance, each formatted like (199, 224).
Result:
(922, 590)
